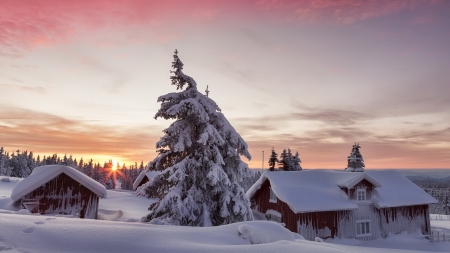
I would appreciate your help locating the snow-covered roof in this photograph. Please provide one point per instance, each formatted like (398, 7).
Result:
(43, 174)
(319, 190)
(351, 182)
(150, 175)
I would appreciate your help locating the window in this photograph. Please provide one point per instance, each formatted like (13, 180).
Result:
(273, 197)
(361, 194)
(363, 228)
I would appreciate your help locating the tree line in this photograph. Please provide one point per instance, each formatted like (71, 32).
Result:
(22, 163)
(287, 161)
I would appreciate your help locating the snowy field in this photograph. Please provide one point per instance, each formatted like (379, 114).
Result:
(121, 231)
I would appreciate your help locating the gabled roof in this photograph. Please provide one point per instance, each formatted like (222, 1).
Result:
(150, 175)
(43, 174)
(351, 182)
(319, 190)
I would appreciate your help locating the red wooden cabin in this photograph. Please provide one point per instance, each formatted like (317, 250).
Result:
(329, 204)
(58, 189)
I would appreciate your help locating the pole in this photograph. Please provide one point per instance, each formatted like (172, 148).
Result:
(262, 170)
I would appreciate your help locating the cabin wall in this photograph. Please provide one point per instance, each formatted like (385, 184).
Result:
(328, 224)
(367, 212)
(406, 218)
(262, 204)
(62, 195)
(364, 184)
(309, 225)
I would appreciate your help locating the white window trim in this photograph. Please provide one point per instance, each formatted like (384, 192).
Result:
(363, 191)
(369, 222)
(272, 194)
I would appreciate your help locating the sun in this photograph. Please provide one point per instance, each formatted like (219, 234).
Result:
(114, 165)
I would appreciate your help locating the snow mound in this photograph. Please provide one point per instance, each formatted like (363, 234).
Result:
(255, 236)
(23, 211)
(263, 231)
(104, 214)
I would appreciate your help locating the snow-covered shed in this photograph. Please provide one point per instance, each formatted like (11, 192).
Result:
(325, 203)
(144, 177)
(59, 189)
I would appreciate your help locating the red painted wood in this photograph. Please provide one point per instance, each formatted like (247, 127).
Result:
(62, 195)
(342, 223)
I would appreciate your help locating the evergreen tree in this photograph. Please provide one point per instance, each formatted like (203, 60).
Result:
(199, 160)
(296, 162)
(273, 160)
(2, 163)
(283, 160)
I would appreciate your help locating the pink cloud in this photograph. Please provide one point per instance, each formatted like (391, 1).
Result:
(27, 24)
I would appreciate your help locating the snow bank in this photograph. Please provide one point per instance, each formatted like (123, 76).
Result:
(43, 174)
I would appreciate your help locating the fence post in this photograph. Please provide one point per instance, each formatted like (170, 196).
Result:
(443, 237)
(438, 236)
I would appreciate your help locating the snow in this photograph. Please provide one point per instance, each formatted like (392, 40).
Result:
(43, 174)
(318, 190)
(48, 234)
(150, 175)
(350, 183)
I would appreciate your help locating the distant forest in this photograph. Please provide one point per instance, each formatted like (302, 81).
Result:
(22, 163)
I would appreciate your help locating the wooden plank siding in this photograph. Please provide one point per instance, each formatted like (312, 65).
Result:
(405, 218)
(364, 184)
(309, 225)
(62, 195)
(342, 223)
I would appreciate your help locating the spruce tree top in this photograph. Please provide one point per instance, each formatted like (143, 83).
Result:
(355, 160)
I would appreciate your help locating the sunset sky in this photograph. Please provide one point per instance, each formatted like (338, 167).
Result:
(83, 77)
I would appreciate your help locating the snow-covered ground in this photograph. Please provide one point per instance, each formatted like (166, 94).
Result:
(121, 232)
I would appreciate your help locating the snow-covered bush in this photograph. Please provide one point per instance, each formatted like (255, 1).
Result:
(199, 160)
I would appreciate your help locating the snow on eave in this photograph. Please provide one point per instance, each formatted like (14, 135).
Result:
(350, 183)
(150, 175)
(46, 173)
(256, 186)
(138, 179)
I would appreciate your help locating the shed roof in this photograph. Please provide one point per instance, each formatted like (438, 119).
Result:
(43, 174)
(319, 190)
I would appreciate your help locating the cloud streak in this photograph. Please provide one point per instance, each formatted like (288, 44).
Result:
(341, 12)
(47, 134)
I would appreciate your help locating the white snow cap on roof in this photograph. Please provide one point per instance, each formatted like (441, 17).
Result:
(150, 175)
(43, 174)
(319, 190)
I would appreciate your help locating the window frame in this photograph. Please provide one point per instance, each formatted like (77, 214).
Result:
(363, 228)
(363, 194)
(272, 197)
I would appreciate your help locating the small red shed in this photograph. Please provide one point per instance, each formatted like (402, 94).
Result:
(59, 189)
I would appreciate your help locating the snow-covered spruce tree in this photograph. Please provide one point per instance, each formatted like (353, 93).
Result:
(296, 162)
(199, 160)
(273, 160)
(355, 160)
(282, 161)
